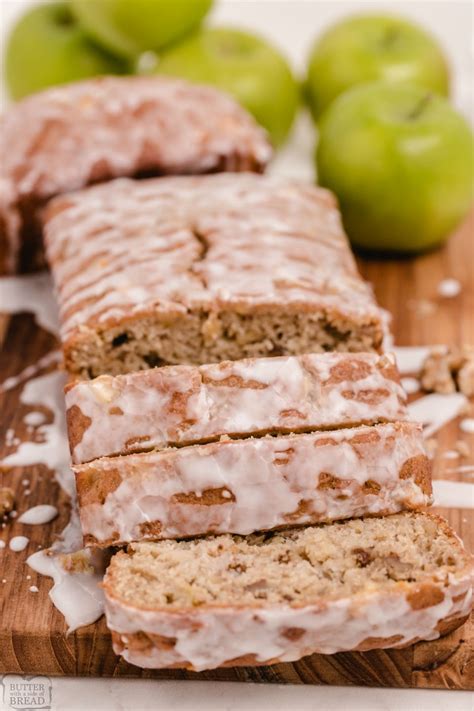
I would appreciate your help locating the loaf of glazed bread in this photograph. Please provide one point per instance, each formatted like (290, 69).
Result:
(192, 270)
(182, 405)
(67, 137)
(230, 601)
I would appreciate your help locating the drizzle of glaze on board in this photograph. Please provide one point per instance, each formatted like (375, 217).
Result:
(52, 448)
(37, 515)
(51, 358)
(453, 494)
(32, 293)
(76, 573)
(435, 410)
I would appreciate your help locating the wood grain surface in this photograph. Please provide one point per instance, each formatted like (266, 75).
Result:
(33, 637)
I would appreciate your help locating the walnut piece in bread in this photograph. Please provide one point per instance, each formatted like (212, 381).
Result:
(447, 369)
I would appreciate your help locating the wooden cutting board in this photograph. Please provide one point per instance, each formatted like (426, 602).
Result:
(33, 636)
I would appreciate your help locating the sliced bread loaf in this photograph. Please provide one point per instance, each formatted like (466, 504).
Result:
(180, 405)
(229, 601)
(246, 485)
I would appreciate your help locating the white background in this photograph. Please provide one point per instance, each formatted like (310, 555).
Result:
(292, 25)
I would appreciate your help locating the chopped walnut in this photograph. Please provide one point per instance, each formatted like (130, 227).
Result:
(465, 377)
(446, 370)
(76, 562)
(7, 501)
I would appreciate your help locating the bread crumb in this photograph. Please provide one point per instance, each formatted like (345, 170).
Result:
(422, 307)
(76, 562)
(7, 501)
(449, 288)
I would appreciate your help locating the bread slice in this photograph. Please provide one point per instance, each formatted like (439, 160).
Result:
(241, 486)
(91, 131)
(182, 405)
(231, 601)
(202, 269)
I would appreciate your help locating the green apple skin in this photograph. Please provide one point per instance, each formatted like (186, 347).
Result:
(245, 66)
(47, 47)
(130, 27)
(400, 160)
(368, 48)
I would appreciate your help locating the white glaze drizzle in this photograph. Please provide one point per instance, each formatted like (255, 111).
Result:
(52, 448)
(463, 469)
(37, 515)
(32, 293)
(410, 385)
(77, 595)
(467, 425)
(137, 411)
(269, 242)
(34, 419)
(18, 543)
(451, 454)
(453, 494)
(436, 410)
(410, 358)
(123, 125)
(51, 358)
(207, 638)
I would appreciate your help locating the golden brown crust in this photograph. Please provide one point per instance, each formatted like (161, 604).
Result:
(424, 596)
(348, 370)
(369, 397)
(208, 497)
(144, 642)
(77, 424)
(419, 470)
(93, 488)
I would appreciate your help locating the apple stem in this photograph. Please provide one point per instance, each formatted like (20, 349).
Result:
(418, 108)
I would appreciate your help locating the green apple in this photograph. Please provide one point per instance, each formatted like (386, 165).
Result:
(370, 48)
(400, 160)
(244, 65)
(47, 47)
(130, 27)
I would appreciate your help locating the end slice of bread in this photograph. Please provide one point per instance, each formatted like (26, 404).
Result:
(229, 601)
